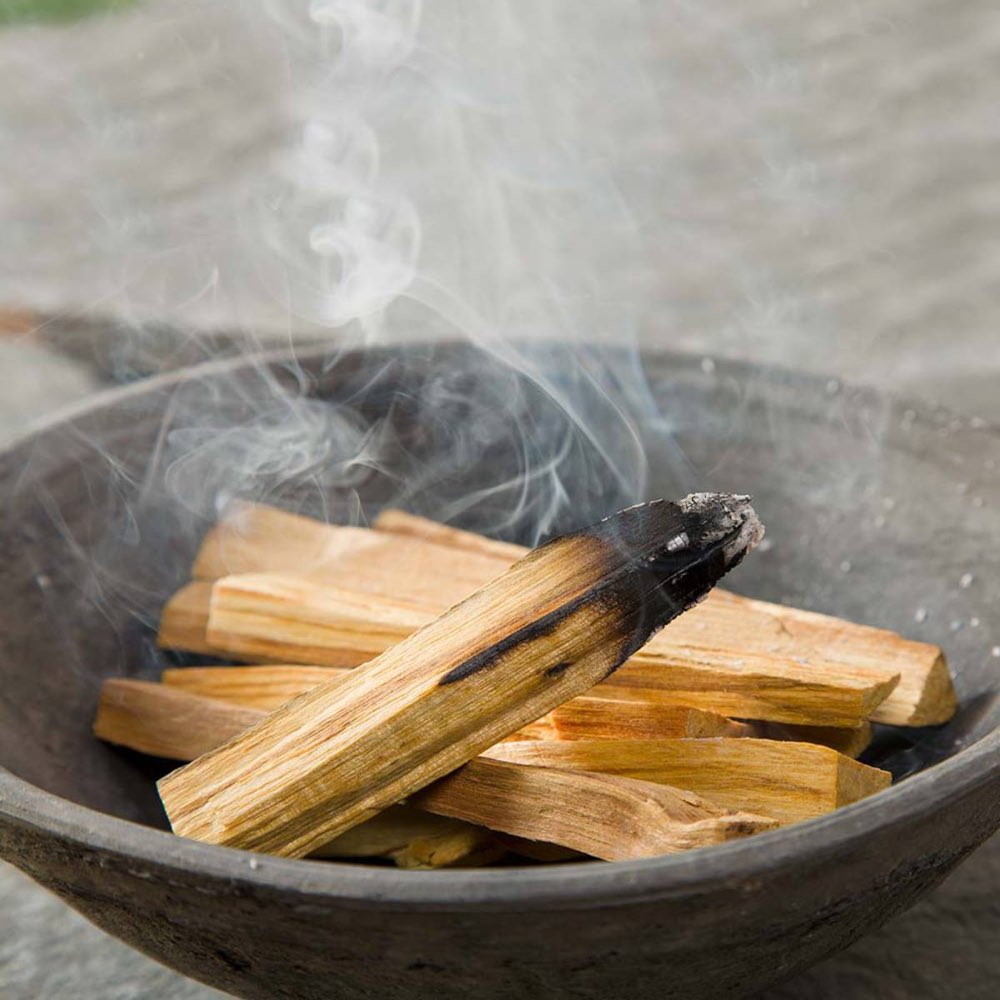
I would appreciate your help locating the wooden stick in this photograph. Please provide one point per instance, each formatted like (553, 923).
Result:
(598, 714)
(398, 522)
(751, 685)
(294, 619)
(412, 838)
(607, 817)
(788, 781)
(561, 619)
(925, 694)
(252, 538)
(297, 621)
(263, 687)
(184, 620)
(850, 742)
(165, 722)
(627, 713)
(158, 720)
(173, 723)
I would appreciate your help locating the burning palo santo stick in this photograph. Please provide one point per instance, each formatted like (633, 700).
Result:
(787, 781)
(285, 618)
(924, 696)
(598, 714)
(556, 623)
(449, 559)
(601, 815)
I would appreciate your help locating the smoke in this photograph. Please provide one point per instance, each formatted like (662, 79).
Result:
(449, 172)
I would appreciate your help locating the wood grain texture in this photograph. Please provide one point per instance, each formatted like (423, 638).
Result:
(251, 538)
(850, 742)
(788, 781)
(164, 722)
(560, 620)
(607, 817)
(265, 687)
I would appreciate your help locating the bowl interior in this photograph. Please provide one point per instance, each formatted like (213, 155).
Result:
(877, 511)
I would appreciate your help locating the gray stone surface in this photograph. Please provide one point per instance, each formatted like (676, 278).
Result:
(825, 197)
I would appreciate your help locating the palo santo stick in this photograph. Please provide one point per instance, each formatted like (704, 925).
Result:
(170, 722)
(398, 522)
(184, 620)
(252, 537)
(788, 781)
(598, 714)
(165, 722)
(553, 625)
(607, 817)
(759, 685)
(415, 839)
(627, 713)
(925, 694)
(293, 618)
(266, 616)
(850, 742)
(263, 687)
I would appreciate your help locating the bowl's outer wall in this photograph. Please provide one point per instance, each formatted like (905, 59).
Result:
(874, 511)
(714, 939)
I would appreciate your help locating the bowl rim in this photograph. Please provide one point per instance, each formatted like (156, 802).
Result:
(571, 885)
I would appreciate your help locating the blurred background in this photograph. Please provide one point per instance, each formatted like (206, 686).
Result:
(808, 185)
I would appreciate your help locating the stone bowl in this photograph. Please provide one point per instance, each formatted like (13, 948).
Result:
(877, 510)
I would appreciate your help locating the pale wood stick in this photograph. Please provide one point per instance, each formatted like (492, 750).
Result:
(398, 522)
(170, 722)
(850, 742)
(925, 694)
(598, 714)
(264, 687)
(412, 838)
(748, 685)
(561, 619)
(627, 713)
(598, 814)
(184, 620)
(165, 722)
(295, 619)
(251, 537)
(787, 781)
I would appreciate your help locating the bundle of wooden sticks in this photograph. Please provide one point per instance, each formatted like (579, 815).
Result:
(420, 694)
